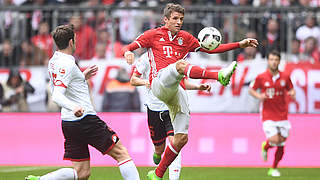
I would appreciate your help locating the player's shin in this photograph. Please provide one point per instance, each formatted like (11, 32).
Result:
(128, 170)
(196, 72)
(175, 168)
(278, 156)
(61, 174)
(169, 156)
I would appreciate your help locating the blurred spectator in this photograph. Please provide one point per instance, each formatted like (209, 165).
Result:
(311, 51)
(249, 53)
(9, 55)
(110, 50)
(120, 96)
(43, 40)
(108, 2)
(13, 93)
(129, 21)
(293, 56)
(309, 29)
(270, 3)
(271, 40)
(85, 38)
(10, 24)
(32, 55)
(100, 53)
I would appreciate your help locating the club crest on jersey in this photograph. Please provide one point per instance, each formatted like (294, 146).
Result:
(267, 84)
(62, 71)
(282, 83)
(180, 41)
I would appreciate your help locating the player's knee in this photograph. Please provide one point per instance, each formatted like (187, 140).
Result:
(181, 65)
(122, 154)
(83, 174)
(181, 140)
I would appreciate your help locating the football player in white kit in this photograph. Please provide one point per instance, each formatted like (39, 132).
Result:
(159, 121)
(80, 124)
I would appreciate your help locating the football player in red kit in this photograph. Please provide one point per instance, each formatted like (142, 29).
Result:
(274, 87)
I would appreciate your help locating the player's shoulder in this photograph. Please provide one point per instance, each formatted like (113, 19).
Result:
(284, 75)
(262, 75)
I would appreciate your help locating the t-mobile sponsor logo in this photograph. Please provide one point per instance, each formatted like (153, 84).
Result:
(167, 50)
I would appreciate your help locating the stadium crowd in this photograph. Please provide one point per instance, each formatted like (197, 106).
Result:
(25, 38)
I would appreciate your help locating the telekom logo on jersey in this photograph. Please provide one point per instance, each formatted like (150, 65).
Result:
(167, 50)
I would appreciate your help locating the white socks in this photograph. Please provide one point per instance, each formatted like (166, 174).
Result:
(128, 170)
(61, 174)
(175, 168)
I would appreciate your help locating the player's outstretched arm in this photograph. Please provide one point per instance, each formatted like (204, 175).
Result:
(248, 42)
(192, 86)
(255, 94)
(136, 80)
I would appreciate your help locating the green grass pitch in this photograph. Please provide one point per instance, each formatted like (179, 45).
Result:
(188, 173)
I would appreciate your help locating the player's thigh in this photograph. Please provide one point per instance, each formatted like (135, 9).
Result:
(76, 148)
(169, 76)
(284, 128)
(119, 152)
(99, 135)
(156, 127)
(270, 129)
(82, 168)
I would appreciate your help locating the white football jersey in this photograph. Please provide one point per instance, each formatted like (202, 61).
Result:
(143, 67)
(64, 72)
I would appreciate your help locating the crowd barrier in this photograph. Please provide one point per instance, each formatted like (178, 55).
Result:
(214, 140)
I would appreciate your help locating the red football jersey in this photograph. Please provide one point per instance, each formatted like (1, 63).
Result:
(164, 49)
(275, 106)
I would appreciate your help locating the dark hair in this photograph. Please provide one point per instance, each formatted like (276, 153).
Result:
(170, 8)
(275, 53)
(62, 35)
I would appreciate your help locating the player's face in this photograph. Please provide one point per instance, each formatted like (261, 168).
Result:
(174, 23)
(273, 62)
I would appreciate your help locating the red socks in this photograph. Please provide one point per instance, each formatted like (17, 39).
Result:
(169, 156)
(267, 146)
(278, 156)
(197, 72)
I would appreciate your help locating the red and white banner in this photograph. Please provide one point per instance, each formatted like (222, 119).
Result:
(233, 98)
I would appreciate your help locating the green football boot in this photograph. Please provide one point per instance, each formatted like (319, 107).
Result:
(32, 177)
(274, 172)
(224, 75)
(152, 175)
(264, 153)
(156, 158)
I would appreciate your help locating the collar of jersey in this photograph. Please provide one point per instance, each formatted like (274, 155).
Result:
(64, 54)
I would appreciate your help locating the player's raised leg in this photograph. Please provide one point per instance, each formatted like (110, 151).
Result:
(196, 72)
(127, 167)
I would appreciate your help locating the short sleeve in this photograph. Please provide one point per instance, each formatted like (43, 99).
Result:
(256, 83)
(145, 39)
(194, 44)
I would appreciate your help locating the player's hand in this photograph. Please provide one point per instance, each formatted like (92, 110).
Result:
(292, 94)
(90, 71)
(129, 56)
(262, 97)
(78, 111)
(248, 42)
(147, 84)
(205, 87)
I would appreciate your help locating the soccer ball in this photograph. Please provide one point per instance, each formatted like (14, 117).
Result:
(209, 38)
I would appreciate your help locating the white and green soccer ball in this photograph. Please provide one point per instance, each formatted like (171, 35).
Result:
(209, 38)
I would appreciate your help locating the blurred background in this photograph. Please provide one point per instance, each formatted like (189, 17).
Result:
(103, 27)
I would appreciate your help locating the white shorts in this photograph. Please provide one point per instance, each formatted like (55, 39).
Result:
(272, 128)
(166, 88)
